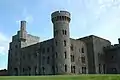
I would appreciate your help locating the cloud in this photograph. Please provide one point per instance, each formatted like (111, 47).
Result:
(4, 44)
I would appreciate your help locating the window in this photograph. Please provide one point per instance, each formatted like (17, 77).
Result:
(62, 17)
(99, 68)
(114, 70)
(43, 51)
(35, 70)
(43, 69)
(56, 43)
(104, 68)
(29, 71)
(72, 58)
(65, 54)
(83, 59)
(56, 55)
(64, 43)
(72, 69)
(43, 60)
(53, 69)
(65, 32)
(56, 68)
(52, 48)
(48, 59)
(82, 50)
(23, 69)
(84, 70)
(65, 68)
(47, 49)
(71, 47)
(35, 54)
(16, 46)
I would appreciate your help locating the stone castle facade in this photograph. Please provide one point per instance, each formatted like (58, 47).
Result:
(61, 54)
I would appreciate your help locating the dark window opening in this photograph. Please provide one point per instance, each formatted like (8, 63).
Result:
(23, 69)
(43, 60)
(35, 54)
(72, 69)
(16, 46)
(35, 70)
(65, 54)
(56, 69)
(43, 69)
(48, 59)
(43, 50)
(104, 68)
(114, 71)
(48, 50)
(84, 70)
(65, 32)
(65, 68)
(62, 17)
(29, 71)
(64, 43)
(82, 50)
(99, 68)
(56, 55)
(52, 49)
(53, 69)
(56, 43)
(71, 47)
(72, 58)
(83, 59)
(16, 71)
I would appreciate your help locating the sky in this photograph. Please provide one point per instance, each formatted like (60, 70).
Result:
(88, 17)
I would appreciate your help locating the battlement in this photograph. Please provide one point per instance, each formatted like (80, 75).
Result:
(60, 13)
(60, 16)
(115, 46)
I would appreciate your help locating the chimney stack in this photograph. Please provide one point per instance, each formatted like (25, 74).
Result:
(23, 25)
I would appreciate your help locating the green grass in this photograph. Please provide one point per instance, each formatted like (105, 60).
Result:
(63, 77)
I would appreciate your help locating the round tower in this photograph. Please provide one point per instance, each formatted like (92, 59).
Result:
(61, 20)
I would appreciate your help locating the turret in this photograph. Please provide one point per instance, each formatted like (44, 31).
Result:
(23, 32)
(60, 20)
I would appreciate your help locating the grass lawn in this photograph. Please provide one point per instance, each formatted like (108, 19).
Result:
(63, 77)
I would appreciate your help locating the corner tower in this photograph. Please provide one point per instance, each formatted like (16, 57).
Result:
(61, 20)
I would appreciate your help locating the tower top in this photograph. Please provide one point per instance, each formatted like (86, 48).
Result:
(60, 15)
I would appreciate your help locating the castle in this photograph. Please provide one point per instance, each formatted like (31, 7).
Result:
(61, 54)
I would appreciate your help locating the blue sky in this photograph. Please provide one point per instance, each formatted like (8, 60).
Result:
(98, 17)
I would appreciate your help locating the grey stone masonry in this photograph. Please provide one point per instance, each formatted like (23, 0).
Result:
(61, 55)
